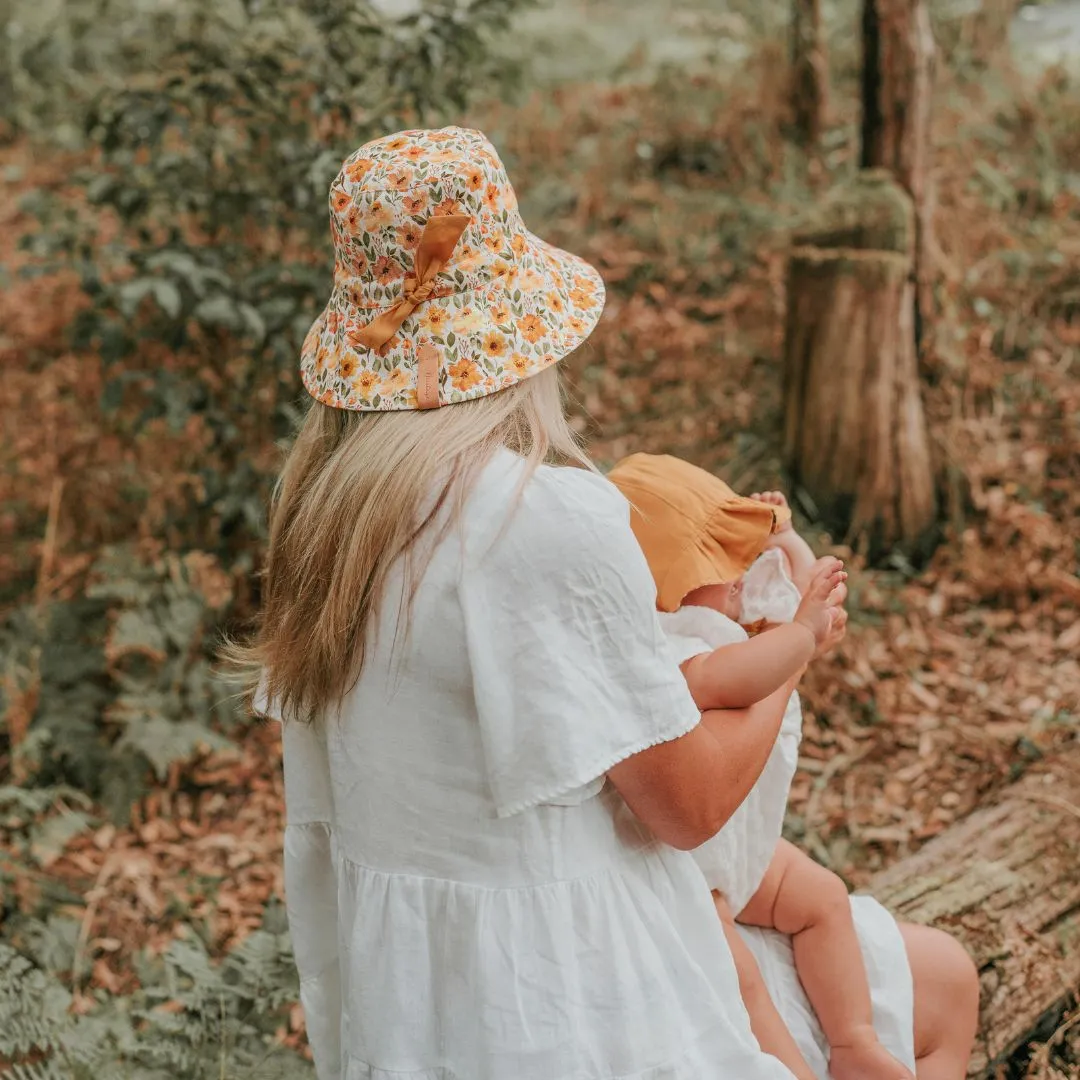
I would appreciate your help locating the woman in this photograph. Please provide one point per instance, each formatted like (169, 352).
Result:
(463, 645)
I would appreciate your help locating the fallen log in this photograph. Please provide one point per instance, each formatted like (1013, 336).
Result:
(1006, 882)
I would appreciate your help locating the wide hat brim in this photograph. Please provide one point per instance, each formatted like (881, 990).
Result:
(538, 305)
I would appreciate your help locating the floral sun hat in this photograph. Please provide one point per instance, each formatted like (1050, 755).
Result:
(440, 292)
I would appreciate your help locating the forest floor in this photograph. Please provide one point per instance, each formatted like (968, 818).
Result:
(677, 180)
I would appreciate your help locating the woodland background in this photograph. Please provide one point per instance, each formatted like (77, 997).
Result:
(163, 248)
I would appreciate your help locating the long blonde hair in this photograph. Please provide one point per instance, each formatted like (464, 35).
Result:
(357, 492)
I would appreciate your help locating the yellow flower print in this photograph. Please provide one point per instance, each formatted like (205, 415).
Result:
(378, 217)
(474, 179)
(394, 383)
(340, 201)
(415, 202)
(366, 382)
(493, 242)
(517, 244)
(414, 153)
(582, 300)
(435, 318)
(397, 144)
(532, 328)
(409, 236)
(492, 198)
(576, 325)
(519, 363)
(465, 374)
(500, 313)
(347, 367)
(531, 281)
(584, 283)
(401, 180)
(555, 303)
(494, 345)
(357, 170)
(468, 321)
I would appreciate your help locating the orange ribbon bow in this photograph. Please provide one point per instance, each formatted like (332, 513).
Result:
(437, 243)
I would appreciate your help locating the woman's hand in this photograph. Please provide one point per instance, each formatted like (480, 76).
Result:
(823, 599)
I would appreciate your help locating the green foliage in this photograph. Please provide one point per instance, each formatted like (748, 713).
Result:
(190, 1019)
(125, 682)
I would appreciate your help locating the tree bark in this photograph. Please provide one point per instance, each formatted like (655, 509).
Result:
(897, 83)
(1006, 882)
(809, 72)
(855, 438)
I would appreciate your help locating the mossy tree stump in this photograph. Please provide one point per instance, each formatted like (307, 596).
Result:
(897, 85)
(1006, 882)
(855, 436)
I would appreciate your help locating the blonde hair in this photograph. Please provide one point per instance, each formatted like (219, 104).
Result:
(357, 493)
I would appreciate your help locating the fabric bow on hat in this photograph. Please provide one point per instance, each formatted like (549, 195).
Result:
(437, 244)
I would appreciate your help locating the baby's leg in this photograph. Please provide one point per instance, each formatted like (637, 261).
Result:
(801, 898)
(766, 1023)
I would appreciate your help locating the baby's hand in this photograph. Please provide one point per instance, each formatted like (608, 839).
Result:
(774, 498)
(824, 595)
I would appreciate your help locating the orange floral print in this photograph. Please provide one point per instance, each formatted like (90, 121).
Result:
(409, 236)
(500, 313)
(494, 345)
(517, 244)
(340, 201)
(401, 181)
(366, 382)
(395, 382)
(347, 367)
(474, 179)
(447, 206)
(435, 318)
(575, 325)
(491, 198)
(532, 328)
(378, 217)
(555, 302)
(415, 203)
(357, 170)
(519, 363)
(386, 270)
(464, 374)
(581, 299)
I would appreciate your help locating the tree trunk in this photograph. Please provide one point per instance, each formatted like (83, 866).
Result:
(809, 72)
(897, 83)
(855, 438)
(1006, 882)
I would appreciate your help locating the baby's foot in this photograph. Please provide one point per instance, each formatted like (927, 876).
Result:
(866, 1061)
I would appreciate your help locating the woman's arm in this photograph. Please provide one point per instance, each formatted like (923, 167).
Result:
(686, 789)
(738, 675)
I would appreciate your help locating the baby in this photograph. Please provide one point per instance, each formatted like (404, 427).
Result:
(700, 539)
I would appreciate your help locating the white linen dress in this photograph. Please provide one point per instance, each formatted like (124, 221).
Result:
(468, 899)
(735, 860)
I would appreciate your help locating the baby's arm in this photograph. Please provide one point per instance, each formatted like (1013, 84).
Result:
(738, 675)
